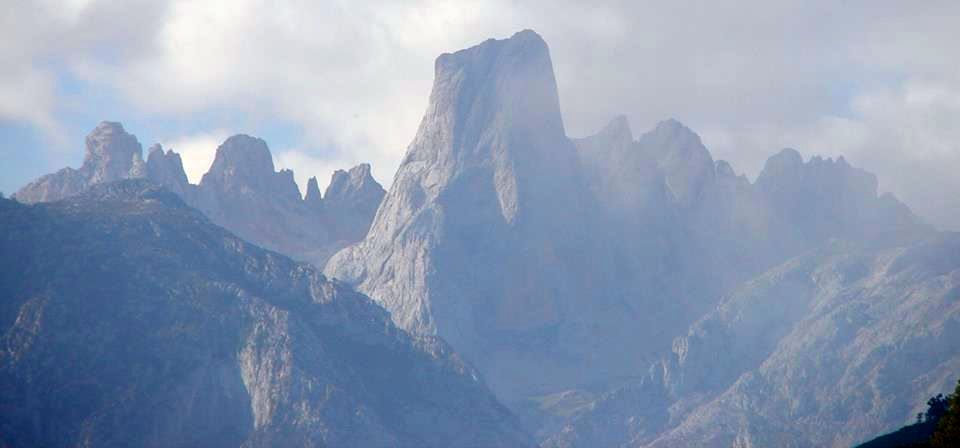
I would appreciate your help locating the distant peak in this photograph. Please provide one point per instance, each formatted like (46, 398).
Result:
(346, 184)
(246, 154)
(361, 171)
(313, 191)
(156, 147)
(109, 127)
(528, 35)
(724, 169)
(787, 157)
(672, 134)
(672, 125)
(619, 126)
(111, 153)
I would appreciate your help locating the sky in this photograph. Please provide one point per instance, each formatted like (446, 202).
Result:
(330, 84)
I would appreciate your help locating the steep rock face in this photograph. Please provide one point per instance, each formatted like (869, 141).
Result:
(481, 238)
(130, 320)
(353, 197)
(824, 350)
(111, 154)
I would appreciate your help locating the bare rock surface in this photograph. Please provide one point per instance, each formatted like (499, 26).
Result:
(129, 319)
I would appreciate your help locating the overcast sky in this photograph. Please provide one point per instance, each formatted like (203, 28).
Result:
(332, 83)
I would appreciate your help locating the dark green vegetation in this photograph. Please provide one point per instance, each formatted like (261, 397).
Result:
(938, 427)
(128, 319)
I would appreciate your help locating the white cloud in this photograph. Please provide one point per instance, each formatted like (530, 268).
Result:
(871, 79)
(197, 151)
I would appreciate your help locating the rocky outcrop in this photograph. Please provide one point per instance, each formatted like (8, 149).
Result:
(313, 198)
(129, 319)
(166, 169)
(353, 197)
(111, 154)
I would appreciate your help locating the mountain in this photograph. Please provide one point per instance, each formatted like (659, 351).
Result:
(826, 349)
(482, 238)
(130, 319)
(565, 269)
(532, 252)
(619, 289)
(241, 191)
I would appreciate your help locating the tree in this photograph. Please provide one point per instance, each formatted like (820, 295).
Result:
(947, 434)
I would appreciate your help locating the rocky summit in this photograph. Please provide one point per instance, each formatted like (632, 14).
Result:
(129, 319)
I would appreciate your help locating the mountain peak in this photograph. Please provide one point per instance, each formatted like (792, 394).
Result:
(111, 154)
(618, 130)
(245, 155)
(508, 82)
(673, 127)
(678, 150)
(244, 165)
(241, 161)
(166, 168)
(348, 186)
(313, 191)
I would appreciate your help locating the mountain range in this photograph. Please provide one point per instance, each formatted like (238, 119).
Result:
(610, 290)
(129, 319)
(241, 191)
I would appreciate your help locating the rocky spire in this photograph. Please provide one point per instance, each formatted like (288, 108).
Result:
(166, 169)
(111, 154)
(313, 197)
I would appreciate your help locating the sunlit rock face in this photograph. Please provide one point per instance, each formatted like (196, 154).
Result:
(485, 237)
(129, 319)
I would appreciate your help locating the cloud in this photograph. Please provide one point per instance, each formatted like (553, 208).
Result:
(869, 79)
(197, 151)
